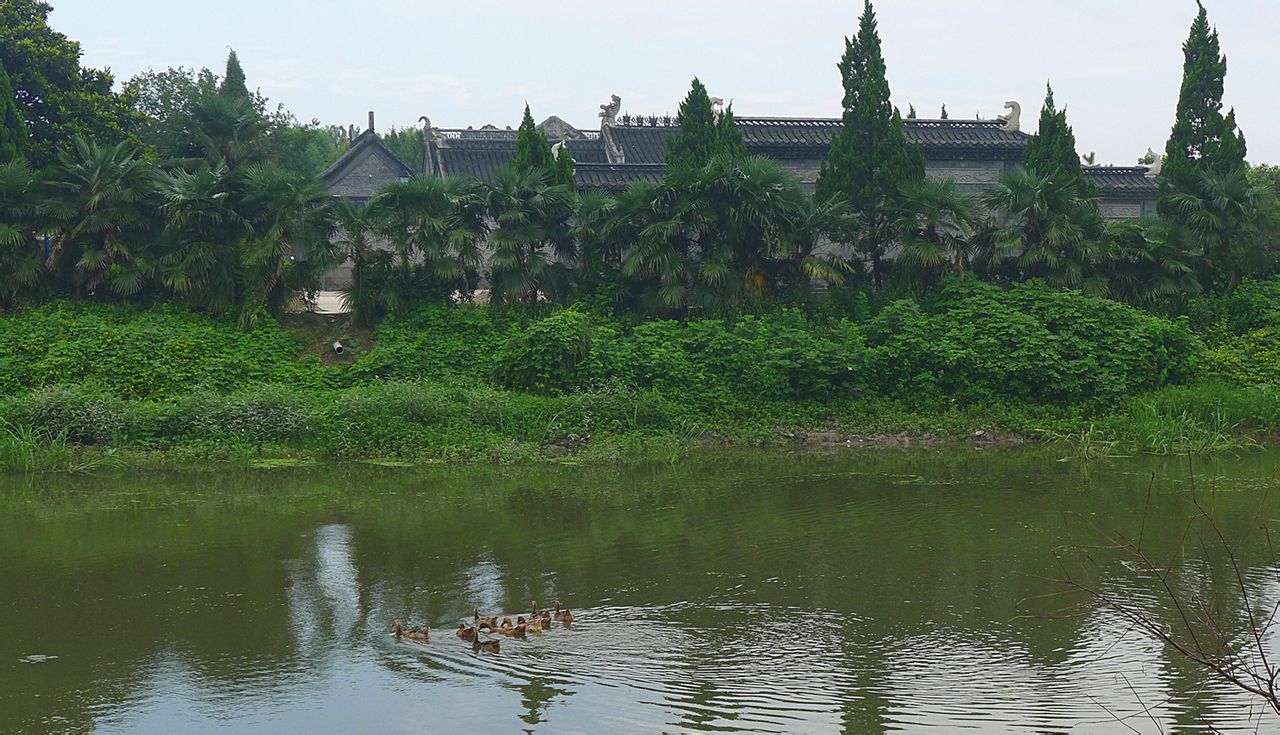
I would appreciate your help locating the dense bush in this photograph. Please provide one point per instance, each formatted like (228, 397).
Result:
(157, 352)
(977, 341)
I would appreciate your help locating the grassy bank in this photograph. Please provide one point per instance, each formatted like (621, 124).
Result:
(82, 385)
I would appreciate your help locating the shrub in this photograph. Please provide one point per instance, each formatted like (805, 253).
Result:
(547, 356)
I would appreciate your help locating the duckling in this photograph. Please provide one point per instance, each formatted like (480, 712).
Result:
(421, 634)
(512, 631)
(533, 625)
(467, 633)
(567, 618)
(478, 646)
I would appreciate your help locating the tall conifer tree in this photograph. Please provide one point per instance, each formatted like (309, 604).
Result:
(1204, 141)
(564, 167)
(869, 161)
(699, 136)
(1053, 147)
(234, 83)
(13, 130)
(532, 149)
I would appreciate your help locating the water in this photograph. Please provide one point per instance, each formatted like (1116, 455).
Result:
(736, 593)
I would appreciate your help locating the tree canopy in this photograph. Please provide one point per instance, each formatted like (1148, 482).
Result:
(1204, 140)
(1051, 151)
(869, 161)
(13, 130)
(703, 135)
(58, 98)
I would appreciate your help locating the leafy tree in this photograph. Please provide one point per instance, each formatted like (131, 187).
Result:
(408, 145)
(163, 100)
(13, 129)
(1052, 150)
(533, 152)
(305, 149)
(234, 84)
(1204, 141)
(869, 161)
(58, 98)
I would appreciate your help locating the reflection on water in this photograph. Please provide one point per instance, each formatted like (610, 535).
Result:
(758, 593)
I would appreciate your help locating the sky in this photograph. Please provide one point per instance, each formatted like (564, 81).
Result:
(1115, 64)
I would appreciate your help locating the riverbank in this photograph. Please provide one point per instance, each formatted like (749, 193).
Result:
(83, 384)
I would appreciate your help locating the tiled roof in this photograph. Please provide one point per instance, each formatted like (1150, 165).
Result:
(367, 143)
(1127, 179)
(480, 162)
(780, 137)
(615, 176)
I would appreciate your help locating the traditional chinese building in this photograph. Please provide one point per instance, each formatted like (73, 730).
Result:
(626, 149)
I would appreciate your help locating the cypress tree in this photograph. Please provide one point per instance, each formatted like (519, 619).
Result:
(728, 138)
(532, 149)
(13, 130)
(234, 83)
(1053, 147)
(869, 161)
(1203, 139)
(564, 167)
(699, 136)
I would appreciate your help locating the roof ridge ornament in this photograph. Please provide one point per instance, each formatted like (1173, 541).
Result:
(609, 112)
(1012, 121)
(1156, 166)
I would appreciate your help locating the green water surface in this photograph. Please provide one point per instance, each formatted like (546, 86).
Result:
(741, 592)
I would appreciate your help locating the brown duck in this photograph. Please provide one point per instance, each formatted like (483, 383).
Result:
(422, 634)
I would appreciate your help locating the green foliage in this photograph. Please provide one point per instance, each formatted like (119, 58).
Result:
(533, 152)
(153, 353)
(407, 144)
(698, 139)
(1203, 141)
(59, 99)
(1031, 343)
(869, 161)
(13, 129)
(547, 356)
(234, 83)
(1052, 150)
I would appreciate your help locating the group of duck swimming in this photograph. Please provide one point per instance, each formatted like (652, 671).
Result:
(535, 624)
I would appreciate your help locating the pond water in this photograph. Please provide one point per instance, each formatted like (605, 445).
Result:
(741, 592)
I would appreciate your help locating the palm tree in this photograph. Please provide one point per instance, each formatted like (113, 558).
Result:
(1051, 226)
(436, 227)
(817, 221)
(354, 226)
(200, 244)
(1150, 263)
(729, 233)
(21, 259)
(1234, 220)
(934, 221)
(291, 245)
(96, 198)
(530, 239)
(225, 130)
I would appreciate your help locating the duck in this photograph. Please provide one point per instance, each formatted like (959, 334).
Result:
(467, 633)
(533, 625)
(478, 646)
(484, 623)
(562, 615)
(513, 631)
(421, 634)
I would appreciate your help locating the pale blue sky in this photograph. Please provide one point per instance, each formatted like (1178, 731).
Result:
(1115, 63)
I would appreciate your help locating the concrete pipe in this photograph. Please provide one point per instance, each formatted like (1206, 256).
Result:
(338, 349)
